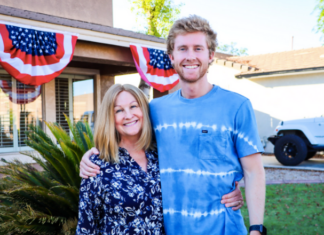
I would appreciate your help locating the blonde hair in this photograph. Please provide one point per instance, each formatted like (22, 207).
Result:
(192, 24)
(106, 137)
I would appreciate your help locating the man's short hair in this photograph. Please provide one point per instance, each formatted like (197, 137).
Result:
(192, 24)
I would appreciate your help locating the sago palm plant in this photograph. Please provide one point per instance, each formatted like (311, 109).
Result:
(45, 202)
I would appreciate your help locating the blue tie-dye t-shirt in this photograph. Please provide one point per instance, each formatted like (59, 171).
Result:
(200, 143)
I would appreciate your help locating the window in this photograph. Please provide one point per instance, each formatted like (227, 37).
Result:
(20, 106)
(74, 97)
(62, 101)
(6, 115)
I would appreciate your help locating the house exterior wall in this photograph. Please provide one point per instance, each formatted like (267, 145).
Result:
(295, 97)
(98, 12)
(98, 54)
(106, 81)
(274, 99)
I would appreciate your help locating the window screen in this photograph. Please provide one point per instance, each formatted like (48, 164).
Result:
(62, 102)
(6, 113)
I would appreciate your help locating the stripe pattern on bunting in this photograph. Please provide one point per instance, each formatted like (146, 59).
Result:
(154, 67)
(34, 56)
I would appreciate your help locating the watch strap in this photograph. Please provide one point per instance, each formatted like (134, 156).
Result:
(258, 227)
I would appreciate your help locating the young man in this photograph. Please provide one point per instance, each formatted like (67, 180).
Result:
(207, 140)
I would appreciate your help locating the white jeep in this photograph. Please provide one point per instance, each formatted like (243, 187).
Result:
(298, 140)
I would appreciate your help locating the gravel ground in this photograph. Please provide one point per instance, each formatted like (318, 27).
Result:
(288, 174)
(273, 174)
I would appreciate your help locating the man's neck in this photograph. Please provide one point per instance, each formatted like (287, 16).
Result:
(196, 89)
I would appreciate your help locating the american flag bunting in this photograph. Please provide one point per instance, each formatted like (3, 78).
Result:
(154, 67)
(34, 56)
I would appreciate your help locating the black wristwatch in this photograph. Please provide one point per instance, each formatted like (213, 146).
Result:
(260, 228)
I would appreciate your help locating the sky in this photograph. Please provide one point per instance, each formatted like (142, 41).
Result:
(260, 26)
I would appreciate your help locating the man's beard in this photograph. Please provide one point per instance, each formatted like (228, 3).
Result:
(182, 78)
(189, 81)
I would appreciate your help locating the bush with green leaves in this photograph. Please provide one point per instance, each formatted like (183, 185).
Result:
(45, 202)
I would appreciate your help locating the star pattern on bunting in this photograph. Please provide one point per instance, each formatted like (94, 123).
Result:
(32, 41)
(159, 59)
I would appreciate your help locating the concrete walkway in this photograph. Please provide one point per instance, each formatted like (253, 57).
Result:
(12, 156)
(310, 167)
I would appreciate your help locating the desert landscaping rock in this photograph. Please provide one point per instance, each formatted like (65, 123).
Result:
(273, 174)
(290, 176)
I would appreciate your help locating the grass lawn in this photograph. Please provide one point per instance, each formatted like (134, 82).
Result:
(293, 209)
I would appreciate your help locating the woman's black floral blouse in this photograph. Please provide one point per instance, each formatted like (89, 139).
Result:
(122, 199)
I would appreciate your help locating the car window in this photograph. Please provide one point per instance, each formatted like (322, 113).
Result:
(85, 118)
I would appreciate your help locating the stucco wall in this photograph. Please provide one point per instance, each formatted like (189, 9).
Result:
(295, 97)
(98, 11)
(106, 81)
(275, 99)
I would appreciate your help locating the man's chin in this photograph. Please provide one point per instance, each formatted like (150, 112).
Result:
(189, 80)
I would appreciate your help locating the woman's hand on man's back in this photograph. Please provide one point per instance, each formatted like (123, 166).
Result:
(87, 168)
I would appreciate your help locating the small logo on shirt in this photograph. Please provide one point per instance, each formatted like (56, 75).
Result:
(204, 131)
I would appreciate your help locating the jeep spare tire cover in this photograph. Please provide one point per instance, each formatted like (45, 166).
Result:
(290, 150)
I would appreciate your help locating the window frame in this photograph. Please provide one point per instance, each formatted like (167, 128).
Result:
(15, 147)
(70, 78)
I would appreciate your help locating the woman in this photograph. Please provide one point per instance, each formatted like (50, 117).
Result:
(125, 198)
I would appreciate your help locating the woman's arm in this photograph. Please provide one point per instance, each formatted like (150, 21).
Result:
(88, 169)
(89, 205)
(254, 178)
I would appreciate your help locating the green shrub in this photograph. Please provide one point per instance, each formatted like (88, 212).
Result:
(45, 202)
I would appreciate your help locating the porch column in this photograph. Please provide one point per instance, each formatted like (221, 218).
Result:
(49, 114)
(106, 81)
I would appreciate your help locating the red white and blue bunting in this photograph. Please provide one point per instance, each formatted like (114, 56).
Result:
(154, 67)
(21, 93)
(34, 56)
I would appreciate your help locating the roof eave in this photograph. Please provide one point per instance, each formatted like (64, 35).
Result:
(234, 65)
(280, 73)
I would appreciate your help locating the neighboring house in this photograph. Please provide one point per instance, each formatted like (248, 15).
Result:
(281, 86)
(101, 53)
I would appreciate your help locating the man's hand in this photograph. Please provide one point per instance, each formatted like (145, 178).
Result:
(87, 168)
(234, 199)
